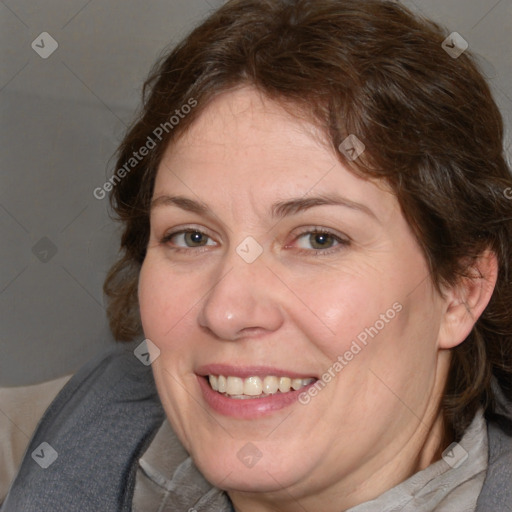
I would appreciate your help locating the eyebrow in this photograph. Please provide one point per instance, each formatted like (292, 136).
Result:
(294, 206)
(278, 210)
(190, 205)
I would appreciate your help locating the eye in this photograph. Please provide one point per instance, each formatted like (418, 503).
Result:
(318, 241)
(188, 239)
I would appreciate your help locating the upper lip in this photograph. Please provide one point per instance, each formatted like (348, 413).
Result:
(249, 371)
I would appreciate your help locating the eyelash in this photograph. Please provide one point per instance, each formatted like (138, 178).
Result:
(340, 242)
(195, 250)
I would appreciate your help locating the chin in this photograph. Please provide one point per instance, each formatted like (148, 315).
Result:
(233, 475)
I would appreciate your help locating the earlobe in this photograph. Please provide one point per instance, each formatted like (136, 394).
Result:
(466, 300)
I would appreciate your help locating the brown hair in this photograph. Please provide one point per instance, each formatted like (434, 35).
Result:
(369, 68)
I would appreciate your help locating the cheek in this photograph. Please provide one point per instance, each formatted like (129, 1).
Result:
(165, 298)
(376, 316)
(343, 308)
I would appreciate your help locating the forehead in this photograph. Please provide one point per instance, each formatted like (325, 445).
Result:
(244, 142)
(243, 123)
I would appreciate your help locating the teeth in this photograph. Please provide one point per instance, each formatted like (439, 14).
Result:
(296, 384)
(236, 387)
(253, 386)
(270, 385)
(221, 382)
(285, 383)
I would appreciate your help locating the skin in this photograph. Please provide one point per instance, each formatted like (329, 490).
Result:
(378, 421)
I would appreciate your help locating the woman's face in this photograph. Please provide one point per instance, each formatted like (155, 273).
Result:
(270, 264)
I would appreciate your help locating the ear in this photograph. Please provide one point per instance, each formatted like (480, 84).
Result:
(467, 299)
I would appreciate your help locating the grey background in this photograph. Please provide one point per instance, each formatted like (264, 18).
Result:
(62, 118)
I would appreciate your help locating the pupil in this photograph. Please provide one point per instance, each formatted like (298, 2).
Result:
(321, 240)
(195, 237)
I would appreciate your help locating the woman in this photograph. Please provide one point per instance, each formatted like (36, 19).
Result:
(317, 248)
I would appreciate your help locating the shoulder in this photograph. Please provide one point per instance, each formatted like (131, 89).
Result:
(496, 493)
(103, 383)
(94, 432)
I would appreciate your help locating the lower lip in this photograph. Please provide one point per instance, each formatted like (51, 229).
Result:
(248, 408)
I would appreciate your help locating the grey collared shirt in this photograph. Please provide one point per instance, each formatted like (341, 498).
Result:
(168, 480)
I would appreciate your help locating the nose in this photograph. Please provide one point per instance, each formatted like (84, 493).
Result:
(244, 301)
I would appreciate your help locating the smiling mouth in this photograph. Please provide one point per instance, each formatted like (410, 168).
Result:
(255, 387)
